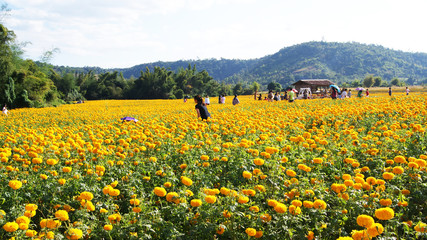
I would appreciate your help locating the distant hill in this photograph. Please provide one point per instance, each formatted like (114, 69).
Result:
(339, 62)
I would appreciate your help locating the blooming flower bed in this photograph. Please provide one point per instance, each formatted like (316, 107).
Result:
(315, 169)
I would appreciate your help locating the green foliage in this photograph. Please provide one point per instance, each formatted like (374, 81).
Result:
(368, 81)
(395, 82)
(274, 86)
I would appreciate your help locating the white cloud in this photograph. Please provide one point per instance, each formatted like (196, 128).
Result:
(110, 33)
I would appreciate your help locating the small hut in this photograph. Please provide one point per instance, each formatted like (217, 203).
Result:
(317, 86)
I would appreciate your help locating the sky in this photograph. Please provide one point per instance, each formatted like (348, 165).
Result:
(125, 33)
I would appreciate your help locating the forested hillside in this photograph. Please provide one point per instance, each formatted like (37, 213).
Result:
(340, 62)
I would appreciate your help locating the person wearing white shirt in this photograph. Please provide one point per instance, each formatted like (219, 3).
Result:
(207, 101)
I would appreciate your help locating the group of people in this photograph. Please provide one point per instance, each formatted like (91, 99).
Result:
(277, 96)
(202, 110)
(406, 91)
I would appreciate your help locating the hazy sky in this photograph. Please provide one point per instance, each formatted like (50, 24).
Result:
(124, 33)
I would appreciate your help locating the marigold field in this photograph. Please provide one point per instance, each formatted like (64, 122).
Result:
(313, 169)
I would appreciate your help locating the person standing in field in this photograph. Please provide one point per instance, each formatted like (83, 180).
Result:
(223, 99)
(407, 91)
(5, 110)
(389, 91)
(291, 96)
(349, 93)
(235, 100)
(207, 100)
(334, 93)
(201, 109)
(270, 96)
(344, 93)
(260, 97)
(359, 94)
(219, 99)
(367, 92)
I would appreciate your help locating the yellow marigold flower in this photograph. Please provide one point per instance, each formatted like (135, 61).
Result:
(114, 218)
(108, 227)
(15, 184)
(375, 230)
(388, 176)
(189, 193)
(317, 160)
(31, 233)
(294, 210)
(186, 181)
(265, 217)
(308, 204)
(172, 196)
(284, 159)
(220, 230)
(114, 192)
(384, 213)
(10, 227)
(398, 170)
(385, 202)
(86, 196)
(296, 203)
(250, 231)
(23, 219)
(254, 208)
(259, 234)
(280, 208)
(210, 199)
(134, 201)
(62, 181)
(405, 192)
(360, 235)
(345, 238)
(365, 221)
(31, 207)
(243, 199)
(225, 191)
(204, 157)
(400, 159)
(61, 215)
(371, 180)
(421, 227)
(103, 210)
(256, 171)
(272, 202)
(66, 169)
(258, 161)
(247, 175)
(319, 204)
(50, 235)
(226, 214)
(74, 234)
(196, 203)
(159, 191)
(291, 173)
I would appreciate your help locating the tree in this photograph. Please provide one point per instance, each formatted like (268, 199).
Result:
(368, 81)
(238, 89)
(255, 87)
(377, 81)
(274, 86)
(355, 83)
(395, 82)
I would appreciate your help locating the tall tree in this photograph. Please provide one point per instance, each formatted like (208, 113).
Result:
(368, 81)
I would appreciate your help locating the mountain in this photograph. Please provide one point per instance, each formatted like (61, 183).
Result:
(339, 62)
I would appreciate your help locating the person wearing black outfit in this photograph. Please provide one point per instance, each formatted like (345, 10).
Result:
(201, 109)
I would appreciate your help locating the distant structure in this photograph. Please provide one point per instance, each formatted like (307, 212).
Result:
(317, 86)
